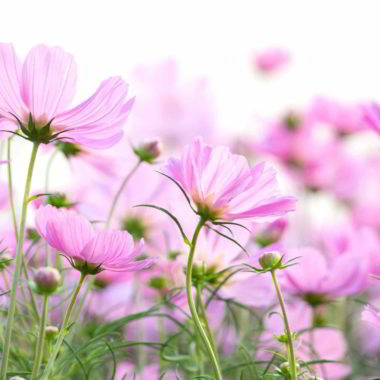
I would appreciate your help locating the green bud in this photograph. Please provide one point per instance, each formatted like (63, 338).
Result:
(51, 332)
(149, 151)
(270, 260)
(5, 261)
(46, 280)
(158, 283)
(286, 369)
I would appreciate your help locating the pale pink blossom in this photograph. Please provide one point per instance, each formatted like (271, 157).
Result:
(344, 118)
(224, 187)
(271, 60)
(371, 315)
(44, 85)
(169, 105)
(74, 236)
(317, 278)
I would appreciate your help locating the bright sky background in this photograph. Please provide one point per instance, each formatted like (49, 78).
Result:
(334, 44)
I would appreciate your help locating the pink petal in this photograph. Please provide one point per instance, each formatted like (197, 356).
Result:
(64, 230)
(10, 74)
(113, 250)
(98, 121)
(48, 81)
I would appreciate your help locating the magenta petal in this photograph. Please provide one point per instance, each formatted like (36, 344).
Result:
(48, 81)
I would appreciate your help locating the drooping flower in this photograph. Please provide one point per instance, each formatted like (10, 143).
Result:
(224, 187)
(35, 95)
(87, 250)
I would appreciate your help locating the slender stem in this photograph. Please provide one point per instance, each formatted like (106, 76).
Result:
(40, 341)
(10, 188)
(19, 260)
(121, 188)
(63, 331)
(15, 227)
(191, 303)
(292, 355)
(205, 319)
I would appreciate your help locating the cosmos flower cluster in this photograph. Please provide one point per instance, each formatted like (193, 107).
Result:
(173, 253)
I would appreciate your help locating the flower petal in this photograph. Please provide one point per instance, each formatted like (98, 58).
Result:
(64, 230)
(48, 81)
(114, 250)
(10, 74)
(98, 121)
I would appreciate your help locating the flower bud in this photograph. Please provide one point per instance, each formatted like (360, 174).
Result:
(5, 261)
(47, 280)
(149, 150)
(270, 260)
(286, 370)
(51, 332)
(16, 378)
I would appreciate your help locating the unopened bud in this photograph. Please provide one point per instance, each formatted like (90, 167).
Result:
(286, 369)
(47, 280)
(5, 261)
(270, 260)
(51, 332)
(16, 378)
(149, 151)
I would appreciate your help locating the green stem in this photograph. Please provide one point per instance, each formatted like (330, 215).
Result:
(14, 219)
(62, 331)
(40, 341)
(292, 355)
(192, 307)
(10, 188)
(19, 260)
(121, 188)
(205, 319)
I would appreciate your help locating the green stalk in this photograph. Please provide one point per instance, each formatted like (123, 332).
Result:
(15, 228)
(292, 355)
(62, 331)
(121, 188)
(19, 260)
(205, 319)
(40, 341)
(193, 309)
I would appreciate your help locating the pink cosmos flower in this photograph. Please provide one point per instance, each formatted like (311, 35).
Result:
(316, 278)
(224, 187)
(43, 86)
(371, 315)
(87, 250)
(271, 60)
(345, 118)
(170, 105)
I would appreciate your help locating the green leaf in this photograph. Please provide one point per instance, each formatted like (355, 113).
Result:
(181, 188)
(227, 237)
(176, 221)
